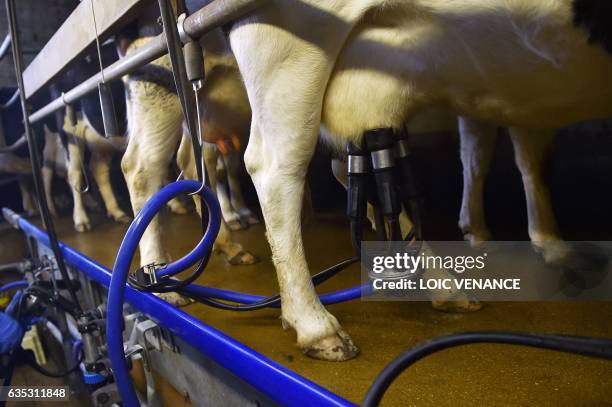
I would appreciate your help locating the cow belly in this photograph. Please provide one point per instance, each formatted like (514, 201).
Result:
(508, 66)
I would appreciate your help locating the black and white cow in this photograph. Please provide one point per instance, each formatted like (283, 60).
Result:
(356, 65)
(156, 127)
(80, 141)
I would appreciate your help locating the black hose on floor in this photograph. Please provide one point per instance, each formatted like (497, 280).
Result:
(273, 300)
(595, 347)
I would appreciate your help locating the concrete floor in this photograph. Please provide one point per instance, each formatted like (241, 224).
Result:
(472, 375)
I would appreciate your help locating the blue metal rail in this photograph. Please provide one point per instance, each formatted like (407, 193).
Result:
(276, 381)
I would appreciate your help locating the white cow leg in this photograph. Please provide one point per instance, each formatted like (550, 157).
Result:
(153, 137)
(154, 134)
(280, 185)
(27, 197)
(477, 146)
(49, 158)
(531, 149)
(232, 168)
(281, 144)
(234, 253)
(76, 180)
(47, 175)
(177, 205)
(100, 167)
(217, 173)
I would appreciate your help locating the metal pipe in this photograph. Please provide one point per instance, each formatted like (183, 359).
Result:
(276, 381)
(22, 141)
(209, 17)
(12, 99)
(145, 54)
(6, 43)
(19, 267)
(179, 72)
(217, 14)
(33, 149)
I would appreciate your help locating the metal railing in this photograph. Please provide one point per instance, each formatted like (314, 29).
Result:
(211, 16)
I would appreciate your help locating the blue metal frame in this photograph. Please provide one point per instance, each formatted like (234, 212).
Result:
(276, 381)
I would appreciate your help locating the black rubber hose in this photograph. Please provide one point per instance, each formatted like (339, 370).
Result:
(28, 357)
(48, 297)
(273, 300)
(600, 348)
(33, 149)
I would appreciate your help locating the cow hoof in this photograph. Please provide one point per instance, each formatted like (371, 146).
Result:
(175, 299)
(178, 207)
(82, 227)
(236, 224)
(555, 252)
(242, 258)
(457, 307)
(476, 238)
(121, 218)
(249, 219)
(336, 348)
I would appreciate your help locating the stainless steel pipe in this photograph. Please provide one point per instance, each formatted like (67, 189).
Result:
(209, 17)
(5, 46)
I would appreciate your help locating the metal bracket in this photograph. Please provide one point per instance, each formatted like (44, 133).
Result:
(185, 38)
(148, 332)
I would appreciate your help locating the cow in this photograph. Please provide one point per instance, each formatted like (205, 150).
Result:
(356, 65)
(236, 213)
(155, 129)
(477, 141)
(80, 135)
(12, 164)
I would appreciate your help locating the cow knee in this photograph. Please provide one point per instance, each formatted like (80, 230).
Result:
(253, 152)
(128, 162)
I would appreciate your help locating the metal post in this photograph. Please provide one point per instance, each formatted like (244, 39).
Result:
(177, 60)
(33, 149)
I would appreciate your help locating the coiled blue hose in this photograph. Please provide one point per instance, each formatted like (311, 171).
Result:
(124, 259)
(121, 270)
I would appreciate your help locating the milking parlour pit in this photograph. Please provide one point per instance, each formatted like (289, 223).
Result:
(291, 203)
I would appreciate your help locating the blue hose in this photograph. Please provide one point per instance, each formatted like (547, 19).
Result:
(123, 261)
(14, 284)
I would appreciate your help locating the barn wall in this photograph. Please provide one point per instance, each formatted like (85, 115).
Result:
(38, 20)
